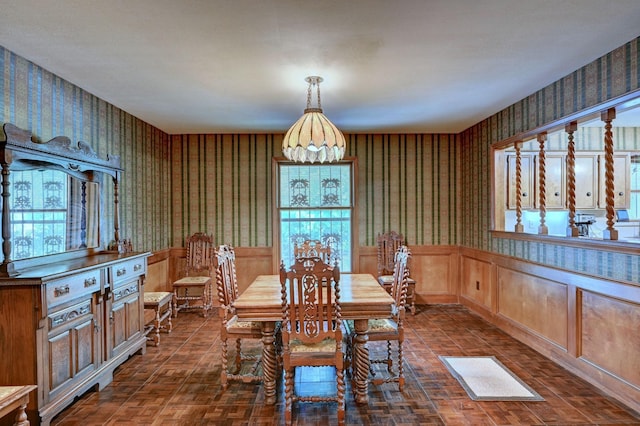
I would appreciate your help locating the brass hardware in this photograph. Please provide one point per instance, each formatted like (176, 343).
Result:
(121, 272)
(61, 291)
(89, 282)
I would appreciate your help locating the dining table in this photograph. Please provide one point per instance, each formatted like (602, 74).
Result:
(361, 298)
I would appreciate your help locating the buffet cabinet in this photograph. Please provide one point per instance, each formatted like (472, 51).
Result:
(67, 325)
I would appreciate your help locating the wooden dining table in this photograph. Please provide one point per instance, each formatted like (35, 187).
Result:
(361, 299)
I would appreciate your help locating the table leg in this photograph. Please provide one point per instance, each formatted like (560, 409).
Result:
(269, 362)
(361, 361)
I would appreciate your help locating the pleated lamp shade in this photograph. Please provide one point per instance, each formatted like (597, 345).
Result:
(313, 137)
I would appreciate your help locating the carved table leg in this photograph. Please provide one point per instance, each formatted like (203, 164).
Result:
(269, 366)
(361, 361)
(21, 416)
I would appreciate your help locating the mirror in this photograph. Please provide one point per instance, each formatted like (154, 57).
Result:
(52, 212)
(52, 197)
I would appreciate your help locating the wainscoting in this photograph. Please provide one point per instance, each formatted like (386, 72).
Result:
(585, 324)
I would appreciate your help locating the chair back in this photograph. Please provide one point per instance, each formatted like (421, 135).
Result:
(388, 244)
(311, 309)
(200, 254)
(312, 248)
(400, 279)
(226, 279)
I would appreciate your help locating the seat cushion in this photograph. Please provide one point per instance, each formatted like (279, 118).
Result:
(385, 279)
(382, 325)
(154, 297)
(239, 326)
(327, 345)
(192, 281)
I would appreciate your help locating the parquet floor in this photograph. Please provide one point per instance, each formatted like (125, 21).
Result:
(178, 384)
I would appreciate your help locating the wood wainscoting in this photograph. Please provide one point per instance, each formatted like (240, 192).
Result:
(588, 325)
(435, 269)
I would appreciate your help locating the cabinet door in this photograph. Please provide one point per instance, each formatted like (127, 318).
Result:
(621, 182)
(124, 318)
(73, 342)
(555, 182)
(586, 181)
(526, 181)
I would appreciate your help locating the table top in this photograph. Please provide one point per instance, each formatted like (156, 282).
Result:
(10, 394)
(361, 296)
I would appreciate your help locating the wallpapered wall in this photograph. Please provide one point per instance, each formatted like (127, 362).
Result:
(49, 106)
(612, 75)
(223, 185)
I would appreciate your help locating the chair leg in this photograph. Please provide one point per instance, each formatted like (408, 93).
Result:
(238, 356)
(223, 369)
(288, 396)
(400, 367)
(389, 357)
(341, 392)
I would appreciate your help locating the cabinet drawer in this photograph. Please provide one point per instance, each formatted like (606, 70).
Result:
(65, 289)
(126, 271)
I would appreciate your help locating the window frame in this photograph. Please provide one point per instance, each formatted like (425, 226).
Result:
(277, 256)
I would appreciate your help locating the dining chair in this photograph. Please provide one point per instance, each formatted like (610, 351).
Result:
(312, 333)
(388, 244)
(312, 248)
(390, 329)
(194, 290)
(231, 327)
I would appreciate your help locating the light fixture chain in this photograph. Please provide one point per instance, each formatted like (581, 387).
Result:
(309, 95)
(319, 104)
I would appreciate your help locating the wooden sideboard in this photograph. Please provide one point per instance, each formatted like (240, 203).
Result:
(66, 326)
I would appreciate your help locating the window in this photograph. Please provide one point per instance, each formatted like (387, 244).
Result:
(316, 203)
(38, 213)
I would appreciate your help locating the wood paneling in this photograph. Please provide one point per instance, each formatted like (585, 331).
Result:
(610, 337)
(536, 303)
(476, 283)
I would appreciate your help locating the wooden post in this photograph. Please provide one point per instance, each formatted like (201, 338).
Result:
(542, 178)
(519, 227)
(607, 116)
(572, 229)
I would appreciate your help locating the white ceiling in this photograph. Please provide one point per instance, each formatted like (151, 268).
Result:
(218, 66)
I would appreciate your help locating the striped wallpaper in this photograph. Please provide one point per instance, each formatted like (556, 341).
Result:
(223, 185)
(609, 76)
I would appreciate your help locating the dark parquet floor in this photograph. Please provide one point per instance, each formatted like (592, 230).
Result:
(178, 383)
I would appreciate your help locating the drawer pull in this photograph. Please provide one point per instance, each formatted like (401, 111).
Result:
(121, 272)
(60, 291)
(89, 282)
(137, 267)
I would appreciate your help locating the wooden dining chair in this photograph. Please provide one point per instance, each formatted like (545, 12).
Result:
(194, 290)
(312, 333)
(392, 329)
(388, 244)
(231, 327)
(313, 248)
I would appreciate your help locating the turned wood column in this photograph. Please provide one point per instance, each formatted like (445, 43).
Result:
(542, 183)
(519, 226)
(607, 116)
(572, 229)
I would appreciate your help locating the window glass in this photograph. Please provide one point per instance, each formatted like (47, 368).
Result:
(315, 203)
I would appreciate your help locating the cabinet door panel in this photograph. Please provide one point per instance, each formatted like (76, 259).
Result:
(621, 184)
(554, 182)
(586, 181)
(526, 181)
(60, 356)
(118, 325)
(85, 346)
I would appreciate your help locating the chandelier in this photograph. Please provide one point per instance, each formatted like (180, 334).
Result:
(313, 137)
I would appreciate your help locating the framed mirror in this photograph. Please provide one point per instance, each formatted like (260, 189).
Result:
(52, 200)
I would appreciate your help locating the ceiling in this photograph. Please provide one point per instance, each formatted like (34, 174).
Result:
(214, 66)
